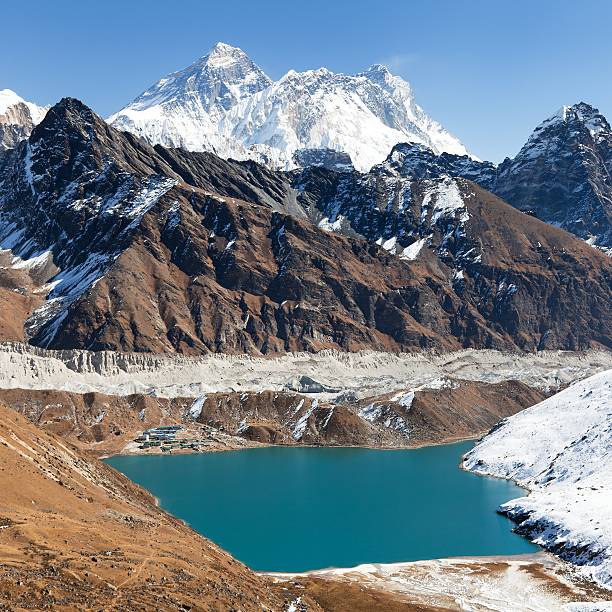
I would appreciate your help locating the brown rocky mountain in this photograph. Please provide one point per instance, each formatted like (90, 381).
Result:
(168, 251)
(104, 424)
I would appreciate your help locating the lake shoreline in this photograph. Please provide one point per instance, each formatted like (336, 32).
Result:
(301, 481)
(539, 566)
(261, 445)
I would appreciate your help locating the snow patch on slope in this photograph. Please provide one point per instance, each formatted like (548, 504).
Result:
(385, 415)
(444, 200)
(195, 410)
(411, 252)
(302, 424)
(561, 450)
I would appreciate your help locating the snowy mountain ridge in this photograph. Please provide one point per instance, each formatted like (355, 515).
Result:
(421, 263)
(561, 450)
(17, 118)
(224, 103)
(562, 175)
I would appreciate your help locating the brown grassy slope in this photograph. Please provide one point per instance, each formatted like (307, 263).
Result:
(76, 535)
(463, 409)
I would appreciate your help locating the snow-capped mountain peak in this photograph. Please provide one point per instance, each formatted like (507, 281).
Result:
(185, 108)
(593, 120)
(17, 118)
(222, 55)
(577, 115)
(220, 78)
(225, 103)
(563, 173)
(9, 99)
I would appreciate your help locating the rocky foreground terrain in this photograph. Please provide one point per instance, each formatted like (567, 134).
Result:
(76, 535)
(522, 583)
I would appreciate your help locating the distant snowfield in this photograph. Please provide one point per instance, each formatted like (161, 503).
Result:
(561, 450)
(9, 99)
(360, 374)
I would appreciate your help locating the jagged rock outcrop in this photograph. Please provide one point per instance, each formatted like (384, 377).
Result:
(164, 250)
(323, 158)
(414, 161)
(564, 173)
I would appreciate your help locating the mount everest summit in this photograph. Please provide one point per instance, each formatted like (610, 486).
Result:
(224, 103)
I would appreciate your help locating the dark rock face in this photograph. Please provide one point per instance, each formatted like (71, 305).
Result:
(163, 250)
(564, 173)
(323, 158)
(76, 190)
(415, 161)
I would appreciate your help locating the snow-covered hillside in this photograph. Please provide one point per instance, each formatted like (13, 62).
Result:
(225, 103)
(17, 118)
(561, 450)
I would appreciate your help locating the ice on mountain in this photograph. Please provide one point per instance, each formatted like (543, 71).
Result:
(226, 104)
(412, 251)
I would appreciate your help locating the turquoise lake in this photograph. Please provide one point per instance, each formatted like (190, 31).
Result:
(297, 509)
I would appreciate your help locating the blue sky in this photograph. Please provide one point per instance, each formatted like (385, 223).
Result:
(488, 70)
